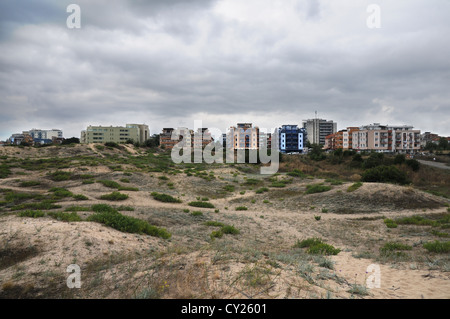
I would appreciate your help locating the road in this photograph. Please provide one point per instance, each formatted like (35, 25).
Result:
(434, 164)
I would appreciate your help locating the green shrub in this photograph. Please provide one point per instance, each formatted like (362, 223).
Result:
(67, 217)
(385, 174)
(391, 247)
(214, 224)
(4, 171)
(32, 213)
(317, 218)
(216, 234)
(114, 219)
(60, 176)
(110, 184)
(416, 220)
(46, 204)
(438, 247)
(229, 188)
(316, 246)
(124, 180)
(252, 181)
(80, 197)
(228, 229)
(74, 208)
(317, 188)
(201, 204)
(60, 192)
(114, 196)
(165, 198)
(241, 208)
(390, 223)
(29, 183)
(296, 173)
(323, 249)
(354, 187)
(103, 208)
(163, 178)
(414, 164)
(262, 190)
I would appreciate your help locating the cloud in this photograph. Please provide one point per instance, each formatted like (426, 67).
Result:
(165, 62)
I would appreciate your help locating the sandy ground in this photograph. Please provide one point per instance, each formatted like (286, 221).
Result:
(259, 262)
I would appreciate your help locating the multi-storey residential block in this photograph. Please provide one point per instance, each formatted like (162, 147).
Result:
(265, 140)
(385, 138)
(201, 138)
(341, 139)
(171, 137)
(318, 129)
(244, 136)
(45, 134)
(118, 134)
(291, 139)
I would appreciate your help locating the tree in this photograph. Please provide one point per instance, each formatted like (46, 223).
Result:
(443, 143)
(316, 152)
(72, 140)
(153, 141)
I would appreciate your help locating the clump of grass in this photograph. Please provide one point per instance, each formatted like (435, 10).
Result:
(390, 223)
(59, 176)
(358, 290)
(31, 213)
(186, 210)
(77, 209)
(60, 192)
(354, 187)
(437, 247)
(440, 234)
(241, 208)
(262, 190)
(114, 196)
(67, 217)
(112, 218)
(229, 188)
(46, 204)
(197, 213)
(317, 246)
(165, 198)
(216, 234)
(124, 180)
(29, 183)
(201, 204)
(393, 248)
(296, 173)
(324, 210)
(316, 188)
(416, 220)
(125, 208)
(214, 224)
(80, 197)
(163, 178)
(112, 184)
(317, 218)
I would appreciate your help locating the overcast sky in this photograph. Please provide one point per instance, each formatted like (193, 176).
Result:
(167, 63)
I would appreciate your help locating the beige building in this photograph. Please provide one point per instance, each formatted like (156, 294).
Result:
(171, 137)
(384, 138)
(118, 134)
(244, 136)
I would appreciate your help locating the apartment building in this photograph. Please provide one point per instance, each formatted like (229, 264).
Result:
(117, 134)
(172, 136)
(265, 140)
(385, 138)
(341, 139)
(201, 138)
(243, 136)
(291, 139)
(318, 129)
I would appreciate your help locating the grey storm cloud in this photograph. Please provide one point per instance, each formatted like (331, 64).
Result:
(271, 62)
